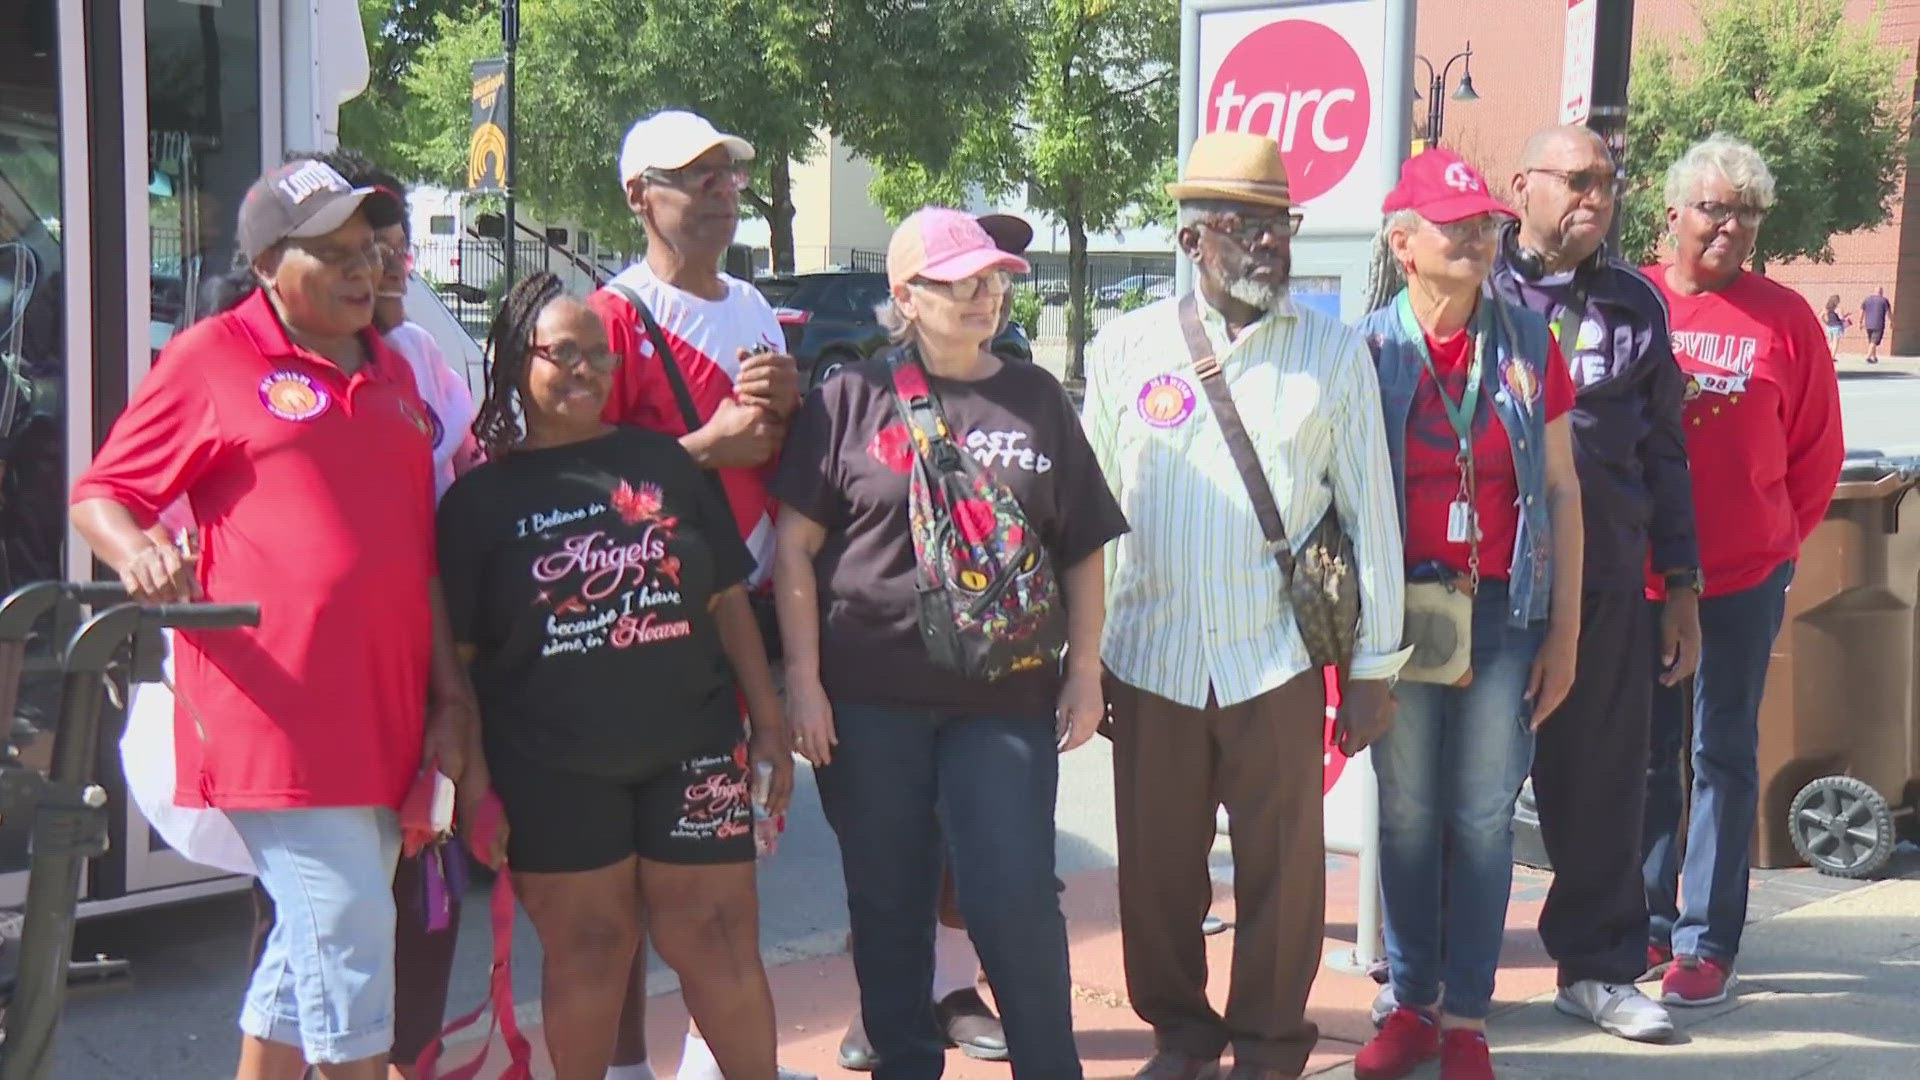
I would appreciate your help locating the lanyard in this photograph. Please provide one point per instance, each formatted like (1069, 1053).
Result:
(1460, 415)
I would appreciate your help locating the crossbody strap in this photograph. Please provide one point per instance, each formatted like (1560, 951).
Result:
(1239, 443)
(919, 408)
(688, 413)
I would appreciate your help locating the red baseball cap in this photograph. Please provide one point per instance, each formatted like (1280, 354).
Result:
(1440, 186)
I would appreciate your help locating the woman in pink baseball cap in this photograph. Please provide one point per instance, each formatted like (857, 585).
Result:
(1475, 395)
(939, 548)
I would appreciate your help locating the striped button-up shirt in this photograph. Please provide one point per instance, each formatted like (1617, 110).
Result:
(1194, 599)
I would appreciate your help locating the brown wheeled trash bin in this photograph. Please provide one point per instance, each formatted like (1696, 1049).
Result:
(1839, 753)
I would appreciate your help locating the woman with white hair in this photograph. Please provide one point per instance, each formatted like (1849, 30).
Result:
(1764, 443)
(1476, 396)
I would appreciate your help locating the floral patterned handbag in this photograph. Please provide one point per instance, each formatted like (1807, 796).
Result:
(989, 599)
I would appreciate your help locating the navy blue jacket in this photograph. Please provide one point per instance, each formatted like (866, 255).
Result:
(1628, 441)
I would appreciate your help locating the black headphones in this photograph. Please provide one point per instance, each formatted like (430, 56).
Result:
(1532, 265)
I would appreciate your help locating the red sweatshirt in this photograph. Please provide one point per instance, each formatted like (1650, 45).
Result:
(1762, 419)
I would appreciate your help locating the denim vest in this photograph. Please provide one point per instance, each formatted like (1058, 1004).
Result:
(1515, 382)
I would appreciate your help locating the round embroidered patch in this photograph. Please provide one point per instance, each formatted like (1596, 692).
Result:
(290, 395)
(1165, 401)
(1521, 382)
(437, 429)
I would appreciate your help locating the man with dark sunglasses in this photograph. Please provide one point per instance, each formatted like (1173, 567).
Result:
(1590, 759)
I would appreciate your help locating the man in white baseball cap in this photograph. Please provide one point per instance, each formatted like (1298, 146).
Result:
(672, 140)
(703, 359)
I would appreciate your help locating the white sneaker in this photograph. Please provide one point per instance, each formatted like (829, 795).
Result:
(1620, 1009)
(1383, 1005)
(785, 1073)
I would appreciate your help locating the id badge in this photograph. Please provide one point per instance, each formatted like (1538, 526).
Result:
(1460, 522)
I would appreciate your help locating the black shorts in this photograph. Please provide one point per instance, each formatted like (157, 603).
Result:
(1874, 336)
(696, 813)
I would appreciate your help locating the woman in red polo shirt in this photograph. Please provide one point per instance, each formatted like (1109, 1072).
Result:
(299, 442)
(1762, 417)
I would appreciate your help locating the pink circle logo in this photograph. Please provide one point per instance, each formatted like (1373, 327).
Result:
(1300, 84)
(1165, 401)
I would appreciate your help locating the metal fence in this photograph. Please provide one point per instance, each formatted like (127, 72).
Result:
(469, 272)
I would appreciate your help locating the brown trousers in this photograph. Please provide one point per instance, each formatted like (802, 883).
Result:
(1172, 766)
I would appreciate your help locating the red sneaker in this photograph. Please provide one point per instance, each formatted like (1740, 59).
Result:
(1696, 980)
(1464, 1055)
(1658, 957)
(1408, 1038)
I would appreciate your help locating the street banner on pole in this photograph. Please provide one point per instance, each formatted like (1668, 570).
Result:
(1576, 63)
(487, 146)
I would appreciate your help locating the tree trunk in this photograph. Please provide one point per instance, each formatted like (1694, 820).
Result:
(1759, 262)
(780, 213)
(1077, 329)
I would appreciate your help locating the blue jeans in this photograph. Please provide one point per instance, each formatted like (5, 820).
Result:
(1699, 908)
(903, 781)
(324, 982)
(1450, 769)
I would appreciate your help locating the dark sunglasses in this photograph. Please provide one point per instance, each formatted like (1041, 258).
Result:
(1585, 180)
(1247, 232)
(728, 177)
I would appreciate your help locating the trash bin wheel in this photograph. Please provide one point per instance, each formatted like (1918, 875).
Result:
(1842, 827)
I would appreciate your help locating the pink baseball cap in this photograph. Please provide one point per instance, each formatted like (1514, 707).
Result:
(939, 244)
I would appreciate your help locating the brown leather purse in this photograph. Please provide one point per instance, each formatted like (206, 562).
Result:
(1318, 580)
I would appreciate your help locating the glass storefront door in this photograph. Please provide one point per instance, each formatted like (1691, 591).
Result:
(34, 357)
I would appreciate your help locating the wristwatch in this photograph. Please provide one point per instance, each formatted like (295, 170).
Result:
(1685, 579)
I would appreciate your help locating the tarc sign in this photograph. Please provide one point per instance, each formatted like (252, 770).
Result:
(1306, 76)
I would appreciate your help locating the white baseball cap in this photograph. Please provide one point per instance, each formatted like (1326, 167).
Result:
(672, 139)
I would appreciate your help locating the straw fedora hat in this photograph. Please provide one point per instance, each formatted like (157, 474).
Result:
(1236, 166)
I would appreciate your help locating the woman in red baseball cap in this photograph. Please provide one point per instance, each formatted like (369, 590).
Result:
(1475, 395)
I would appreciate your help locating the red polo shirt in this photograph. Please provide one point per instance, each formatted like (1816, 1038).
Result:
(313, 492)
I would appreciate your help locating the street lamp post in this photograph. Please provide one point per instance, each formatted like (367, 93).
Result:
(509, 39)
(1437, 90)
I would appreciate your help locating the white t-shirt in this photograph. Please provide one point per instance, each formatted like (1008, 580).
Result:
(449, 402)
(706, 337)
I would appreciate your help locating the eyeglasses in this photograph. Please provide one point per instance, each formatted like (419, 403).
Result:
(728, 177)
(371, 254)
(1586, 180)
(396, 256)
(1720, 213)
(1480, 227)
(1246, 231)
(993, 283)
(567, 355)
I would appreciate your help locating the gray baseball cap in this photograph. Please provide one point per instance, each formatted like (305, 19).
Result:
(299, 199)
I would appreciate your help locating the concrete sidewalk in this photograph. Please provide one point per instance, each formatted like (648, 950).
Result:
(1830, 987)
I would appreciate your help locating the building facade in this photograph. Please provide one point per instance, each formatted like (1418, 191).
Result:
(1516, 71)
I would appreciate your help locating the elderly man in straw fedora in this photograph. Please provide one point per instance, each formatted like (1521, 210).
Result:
(1215, 700)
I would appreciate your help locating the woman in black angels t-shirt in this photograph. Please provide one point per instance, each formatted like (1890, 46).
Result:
(594, 575)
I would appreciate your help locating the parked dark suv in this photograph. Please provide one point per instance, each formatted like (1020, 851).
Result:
(829, 321)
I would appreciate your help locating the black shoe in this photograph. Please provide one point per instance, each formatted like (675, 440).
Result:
(968, 1024)
(856, 1053)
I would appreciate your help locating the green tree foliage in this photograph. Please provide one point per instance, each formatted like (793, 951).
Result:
(1816, 96)
(901, 78)
(1091, 132)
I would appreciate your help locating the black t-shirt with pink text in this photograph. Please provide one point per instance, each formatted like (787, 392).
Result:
(581, 575)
